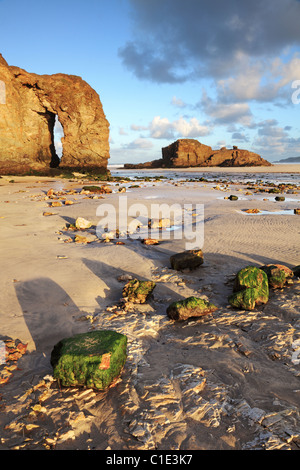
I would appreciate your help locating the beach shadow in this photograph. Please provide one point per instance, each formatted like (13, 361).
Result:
(110, 275)
(48, 312)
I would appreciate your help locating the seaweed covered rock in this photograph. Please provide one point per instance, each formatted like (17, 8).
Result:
(251, 288)
(92, 360)
(189, 308)
(190, 259)
(137, 291)
(278, 275)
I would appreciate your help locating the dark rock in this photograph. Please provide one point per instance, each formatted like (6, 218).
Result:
(296, 271)
(190, 259)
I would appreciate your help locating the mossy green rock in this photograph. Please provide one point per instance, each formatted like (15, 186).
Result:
(137, 291)
(278, 275)
(92, 360)
(190, 307)
(251, 288)
(190, 259)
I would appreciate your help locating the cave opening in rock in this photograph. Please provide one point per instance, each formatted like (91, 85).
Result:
(58, 134)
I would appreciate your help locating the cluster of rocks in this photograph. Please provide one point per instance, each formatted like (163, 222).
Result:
(96, 359)
(252, 285)
(185, 153)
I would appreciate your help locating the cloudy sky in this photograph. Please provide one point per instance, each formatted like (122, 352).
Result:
(222, 72)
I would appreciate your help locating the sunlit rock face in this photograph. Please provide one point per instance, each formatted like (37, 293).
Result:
(29, 104)
(186, 153)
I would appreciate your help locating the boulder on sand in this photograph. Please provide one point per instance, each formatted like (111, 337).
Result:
(190, 259)
(189, 308)
(251, 288)
(92, 360)
(137, 291)
(278, 275)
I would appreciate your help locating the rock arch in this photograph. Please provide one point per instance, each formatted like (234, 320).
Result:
(27, 122)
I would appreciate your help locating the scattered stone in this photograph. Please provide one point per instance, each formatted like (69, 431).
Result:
(150, 241)
(252, 211)
(159, 223)
(278, 275)
(137, 291)
(251, 288)
(68, 203)
(190, 307)
(82, 223)
(56, 204)
(233, 198)
(297, 211)
(279, 198)
(93, 360)
(190, 259)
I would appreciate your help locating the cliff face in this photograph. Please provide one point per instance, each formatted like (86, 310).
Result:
(28, 106)
(186, 153)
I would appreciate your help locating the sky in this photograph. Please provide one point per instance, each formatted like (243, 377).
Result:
(222, 72)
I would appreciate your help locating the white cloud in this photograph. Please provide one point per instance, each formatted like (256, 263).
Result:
(139, 144)
(162, 128)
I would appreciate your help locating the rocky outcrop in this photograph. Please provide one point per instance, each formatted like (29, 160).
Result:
(28, 108)
(185, 153)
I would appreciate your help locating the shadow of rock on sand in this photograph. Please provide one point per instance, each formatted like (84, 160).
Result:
(48, 312)
(110, 274)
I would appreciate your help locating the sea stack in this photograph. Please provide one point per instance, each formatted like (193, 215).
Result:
(29, 106)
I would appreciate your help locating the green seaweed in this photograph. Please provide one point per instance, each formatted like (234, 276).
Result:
(76, 361)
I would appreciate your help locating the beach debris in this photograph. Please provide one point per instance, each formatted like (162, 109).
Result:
(82, 224)
(278, 275)
(150, 241)
(189, 308)
(159, 223)
(56, 204)
(125, 277)
(103, 189)
(93, 360)
(46, 214)
(137, 291)
(252, 211)
(251, 288)
(189, 259)
(10, 353)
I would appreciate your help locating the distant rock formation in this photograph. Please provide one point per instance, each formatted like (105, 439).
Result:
(289, 160)
(29, 104)
(185, 153)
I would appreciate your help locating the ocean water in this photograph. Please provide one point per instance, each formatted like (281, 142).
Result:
(246, 176)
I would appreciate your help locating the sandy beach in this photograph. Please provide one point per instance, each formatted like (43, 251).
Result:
(227, 381)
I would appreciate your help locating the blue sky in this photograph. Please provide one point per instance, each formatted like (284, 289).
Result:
(220, 72)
